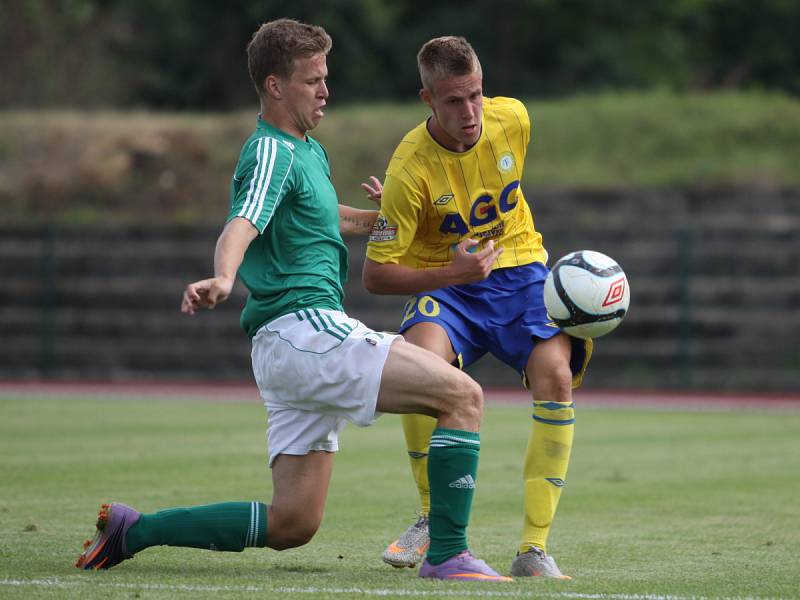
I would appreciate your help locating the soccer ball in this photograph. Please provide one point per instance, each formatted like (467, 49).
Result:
(586, 294)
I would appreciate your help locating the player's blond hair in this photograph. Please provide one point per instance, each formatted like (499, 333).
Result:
(277, 44)
(446, 56)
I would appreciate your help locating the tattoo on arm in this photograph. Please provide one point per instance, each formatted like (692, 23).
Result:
(357, 224)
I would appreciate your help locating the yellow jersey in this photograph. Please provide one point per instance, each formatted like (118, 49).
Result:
(433, 198)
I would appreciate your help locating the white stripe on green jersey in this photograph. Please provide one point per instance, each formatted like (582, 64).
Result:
(257, 185)
(271, 150)
(259, 171)
(266, 154)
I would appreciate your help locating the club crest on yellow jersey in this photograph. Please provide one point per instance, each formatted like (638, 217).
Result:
(505, 162)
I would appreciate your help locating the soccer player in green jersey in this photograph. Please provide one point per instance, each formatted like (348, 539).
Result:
(456, 233)
(316, 367)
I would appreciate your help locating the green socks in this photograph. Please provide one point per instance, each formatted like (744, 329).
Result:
(452, 469)
(234, 526)
(229, 527)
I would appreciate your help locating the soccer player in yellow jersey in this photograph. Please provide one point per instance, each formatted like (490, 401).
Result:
(456, 233)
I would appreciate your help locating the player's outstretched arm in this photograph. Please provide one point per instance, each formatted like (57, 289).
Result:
(466, 267)
(231, 246)
(355, 220)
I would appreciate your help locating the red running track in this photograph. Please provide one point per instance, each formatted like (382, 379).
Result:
(241, 392)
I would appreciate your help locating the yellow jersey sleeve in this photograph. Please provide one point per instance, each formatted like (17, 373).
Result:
(434, 198)
(397, 222)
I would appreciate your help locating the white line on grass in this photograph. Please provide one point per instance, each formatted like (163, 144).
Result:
(94, 583)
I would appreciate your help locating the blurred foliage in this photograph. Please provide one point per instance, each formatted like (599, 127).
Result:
(101, 166)
(179, 54)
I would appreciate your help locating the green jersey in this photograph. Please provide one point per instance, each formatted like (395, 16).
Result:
(282, 186)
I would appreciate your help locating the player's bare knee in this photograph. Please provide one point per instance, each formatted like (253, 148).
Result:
(465, 401)
(290, 529)
(556, 385)
(299, 535)
(563, 383)
(292, 536)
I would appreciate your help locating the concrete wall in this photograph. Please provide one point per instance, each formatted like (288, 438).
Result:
(714, 278)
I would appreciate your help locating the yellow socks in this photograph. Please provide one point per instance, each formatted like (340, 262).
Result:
(418, 430)
(545, 471)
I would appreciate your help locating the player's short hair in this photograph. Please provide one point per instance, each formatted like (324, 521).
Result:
(277, 44)
(447, 56)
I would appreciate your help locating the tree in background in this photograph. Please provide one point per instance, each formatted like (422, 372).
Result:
(178, 54)
(60, 53)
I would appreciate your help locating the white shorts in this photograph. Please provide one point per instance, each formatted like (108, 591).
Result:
(316, 369)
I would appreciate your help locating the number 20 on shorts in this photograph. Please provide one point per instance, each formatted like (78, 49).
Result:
(424, 304)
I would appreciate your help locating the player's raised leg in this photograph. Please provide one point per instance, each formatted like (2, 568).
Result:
(415, 380)
(547, 454)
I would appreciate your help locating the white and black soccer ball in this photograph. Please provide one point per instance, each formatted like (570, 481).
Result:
(586, 294)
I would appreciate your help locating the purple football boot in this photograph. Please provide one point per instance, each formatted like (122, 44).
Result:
(108, 546)
(462, 566)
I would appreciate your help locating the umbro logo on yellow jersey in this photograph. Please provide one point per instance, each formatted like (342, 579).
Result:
(443, 199)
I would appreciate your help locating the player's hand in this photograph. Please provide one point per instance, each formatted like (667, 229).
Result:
(471, 266)
(206, 293)
(374, 189)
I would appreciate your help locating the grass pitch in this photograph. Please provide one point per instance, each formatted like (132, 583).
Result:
(659, 503)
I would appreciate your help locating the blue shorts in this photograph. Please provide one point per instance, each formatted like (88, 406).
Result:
(504, 315)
